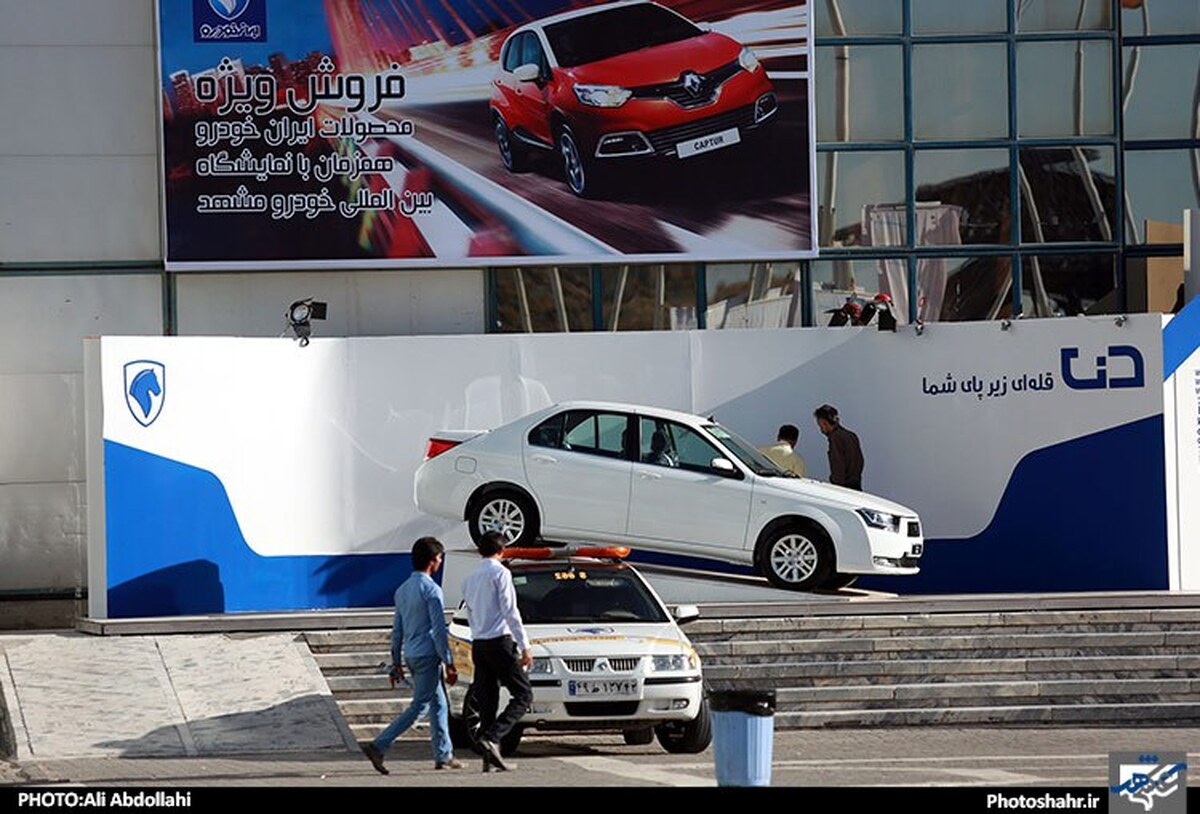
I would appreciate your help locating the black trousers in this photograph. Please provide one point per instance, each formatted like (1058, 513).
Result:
(497, 662)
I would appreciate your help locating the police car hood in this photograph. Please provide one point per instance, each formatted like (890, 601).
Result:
(585, 639)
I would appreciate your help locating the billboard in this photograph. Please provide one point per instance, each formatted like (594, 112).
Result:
(231, 474)
(391, 133)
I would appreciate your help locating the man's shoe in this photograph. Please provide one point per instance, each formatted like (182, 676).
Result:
(491, 754)
(376, 757)
(452, 763)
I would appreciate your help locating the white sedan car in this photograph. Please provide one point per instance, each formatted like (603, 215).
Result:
(607, 654)
(660, 480)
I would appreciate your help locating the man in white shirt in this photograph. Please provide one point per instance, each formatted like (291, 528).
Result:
(783, 452)
(499, 648)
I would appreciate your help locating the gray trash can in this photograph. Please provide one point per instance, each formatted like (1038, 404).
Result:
(743, 729)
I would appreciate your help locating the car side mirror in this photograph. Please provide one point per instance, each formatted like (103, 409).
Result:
(723, 466)
(685, 613)
(527, 73)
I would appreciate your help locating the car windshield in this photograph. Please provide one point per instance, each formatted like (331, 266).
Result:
(578, 592)
(617, 31)
(758, 463)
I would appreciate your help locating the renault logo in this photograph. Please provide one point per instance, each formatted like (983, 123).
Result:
(692, 82)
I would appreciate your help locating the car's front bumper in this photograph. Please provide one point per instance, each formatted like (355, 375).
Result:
(662, 697)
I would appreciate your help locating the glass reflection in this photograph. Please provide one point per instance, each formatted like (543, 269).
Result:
(957, 17)
(847, 183)
(851, 18)
(1068, 285)
(861, 95)
(1064, 89)
(1062, 15)
(976, 184)
(1067, 193)
(543, 299)
(1147, 17)
(973, 105)
(752, 295)
(1162, 83)
(644, 298)
(1159, 185)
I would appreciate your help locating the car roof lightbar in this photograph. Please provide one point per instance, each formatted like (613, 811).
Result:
(565, 552)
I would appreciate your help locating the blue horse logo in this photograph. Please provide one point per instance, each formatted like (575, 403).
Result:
(145, 390)
(229, 9)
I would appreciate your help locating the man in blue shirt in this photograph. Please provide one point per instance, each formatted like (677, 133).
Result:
(499, 648)
(419, 634)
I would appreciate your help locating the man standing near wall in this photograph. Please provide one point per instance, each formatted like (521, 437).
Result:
(783, 452)
(845, 454)
(419, 636)
(499, 648)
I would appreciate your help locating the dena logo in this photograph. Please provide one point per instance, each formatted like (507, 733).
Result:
(1128, 369)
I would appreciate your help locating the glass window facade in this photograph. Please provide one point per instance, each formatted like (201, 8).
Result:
(974, 161)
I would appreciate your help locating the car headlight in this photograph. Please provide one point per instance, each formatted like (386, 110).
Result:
(602, 95)
(748, 60)
(541, 667)
(880, 520)
(673, 663)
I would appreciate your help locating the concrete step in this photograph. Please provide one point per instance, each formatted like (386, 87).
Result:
(820, 673)
(335, 662)
(1170, 713)
(989, 693)
(942, 623)
(994, 646)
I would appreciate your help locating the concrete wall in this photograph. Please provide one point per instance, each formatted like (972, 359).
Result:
(81, 253)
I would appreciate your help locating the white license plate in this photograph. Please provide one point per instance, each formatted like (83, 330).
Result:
(593, 688)
(706, 144)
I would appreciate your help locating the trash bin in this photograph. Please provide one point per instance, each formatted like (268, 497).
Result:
(743, 730)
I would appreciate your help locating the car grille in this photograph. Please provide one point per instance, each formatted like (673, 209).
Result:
(663, 141)
(601, 709)
(620, 664)
(704, 94)
(914, 528)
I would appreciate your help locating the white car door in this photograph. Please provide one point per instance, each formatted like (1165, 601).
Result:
(577, 467)
(678, 498)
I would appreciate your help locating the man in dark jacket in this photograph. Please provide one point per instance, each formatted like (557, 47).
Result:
(845, 454)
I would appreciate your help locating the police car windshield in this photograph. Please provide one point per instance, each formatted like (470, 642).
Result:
(576, 592)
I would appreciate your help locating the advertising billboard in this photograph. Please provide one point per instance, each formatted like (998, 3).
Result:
(392, 133)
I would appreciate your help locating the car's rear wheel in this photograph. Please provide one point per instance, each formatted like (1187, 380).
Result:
(686, 737)
(795, 556)
(468, 728)
(578, 169)
(511, 152)
(506, 511)
(639, 737)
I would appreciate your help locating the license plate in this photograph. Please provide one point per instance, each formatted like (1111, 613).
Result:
(706, 144)
(593, 688)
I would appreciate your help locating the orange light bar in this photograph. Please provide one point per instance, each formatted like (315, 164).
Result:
(527, 553)
(618, 552)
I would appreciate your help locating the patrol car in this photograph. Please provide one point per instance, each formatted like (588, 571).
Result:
(608, 656)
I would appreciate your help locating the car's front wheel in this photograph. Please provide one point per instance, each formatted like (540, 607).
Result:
(464, 731)
(795, 556)
(506, 511)
(686, 737)
(578, 168)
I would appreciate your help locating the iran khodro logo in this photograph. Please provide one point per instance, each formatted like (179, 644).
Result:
(229, 9)
(145, 390)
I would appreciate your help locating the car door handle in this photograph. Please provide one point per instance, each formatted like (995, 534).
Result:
(544, 459)
(649, 476)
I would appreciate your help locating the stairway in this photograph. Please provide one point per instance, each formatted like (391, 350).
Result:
(1074, 667)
